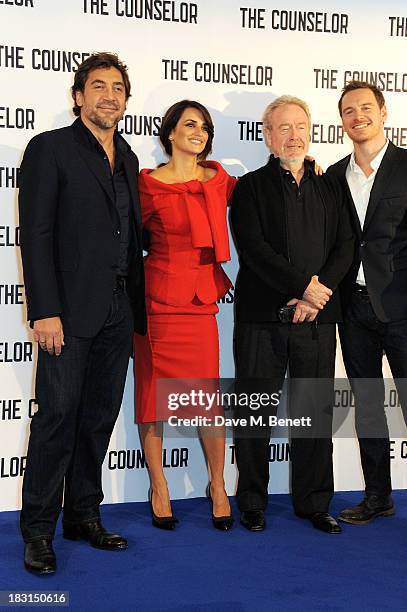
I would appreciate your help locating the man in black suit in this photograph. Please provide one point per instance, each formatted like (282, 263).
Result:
(82, 261)
(374, 291)
(295, 245)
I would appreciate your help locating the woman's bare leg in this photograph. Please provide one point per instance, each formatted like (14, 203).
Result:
(151, 435)
(213, 440)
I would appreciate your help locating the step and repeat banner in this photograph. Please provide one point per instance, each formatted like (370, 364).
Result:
(235, 58)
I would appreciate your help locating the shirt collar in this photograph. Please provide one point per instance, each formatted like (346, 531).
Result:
(375, 163)
(308, 170)
(120, 144)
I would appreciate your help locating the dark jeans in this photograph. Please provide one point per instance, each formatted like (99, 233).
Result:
(79, 395)
(364, 340)
(264, 351)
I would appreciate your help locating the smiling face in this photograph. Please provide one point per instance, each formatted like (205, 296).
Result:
(362, 118)
(103, 100)
(190, 135)
(288, 134)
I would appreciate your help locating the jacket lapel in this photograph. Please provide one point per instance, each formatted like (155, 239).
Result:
(94, 162)
(352, 208)
(131, 170)
(382, 179)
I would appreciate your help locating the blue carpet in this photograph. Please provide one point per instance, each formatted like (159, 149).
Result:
(290, 566)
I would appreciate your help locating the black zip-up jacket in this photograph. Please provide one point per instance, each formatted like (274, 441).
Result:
(266, 279)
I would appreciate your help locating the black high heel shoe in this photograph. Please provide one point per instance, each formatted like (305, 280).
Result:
(223, 523)
(162, 522)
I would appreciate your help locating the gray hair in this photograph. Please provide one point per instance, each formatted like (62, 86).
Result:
(282, 101)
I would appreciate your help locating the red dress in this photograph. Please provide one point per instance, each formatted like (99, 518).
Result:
(184, 279)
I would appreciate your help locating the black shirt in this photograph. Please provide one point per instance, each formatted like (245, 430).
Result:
(305, 221)
(118, 180)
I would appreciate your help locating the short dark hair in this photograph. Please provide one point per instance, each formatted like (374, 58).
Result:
(352, 85)
(173, 115)
(93, 62)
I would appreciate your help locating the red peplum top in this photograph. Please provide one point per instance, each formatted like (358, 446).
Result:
(188, 240)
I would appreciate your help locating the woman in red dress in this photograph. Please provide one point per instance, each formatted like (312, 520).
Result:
(183, 207)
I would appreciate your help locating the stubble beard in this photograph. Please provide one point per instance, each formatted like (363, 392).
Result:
(104, 123)
(359, 138)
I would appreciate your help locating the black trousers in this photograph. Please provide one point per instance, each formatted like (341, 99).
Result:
(364, 340)
(264, 351)
(79, 395)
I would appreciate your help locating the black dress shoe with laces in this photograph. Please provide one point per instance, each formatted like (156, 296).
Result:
(253, 520)
(94, 533)
(39, 557)
(368, 509)
(324, 522)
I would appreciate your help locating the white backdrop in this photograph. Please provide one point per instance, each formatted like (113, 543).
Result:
(234, 59)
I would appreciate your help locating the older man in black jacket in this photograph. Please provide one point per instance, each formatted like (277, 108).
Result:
(295, 245)
(82, 258)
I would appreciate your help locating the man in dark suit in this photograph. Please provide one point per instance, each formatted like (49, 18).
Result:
(374, 292)
(82, 261)
(295, 245)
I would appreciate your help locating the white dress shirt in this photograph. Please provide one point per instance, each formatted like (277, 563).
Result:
(360, 187)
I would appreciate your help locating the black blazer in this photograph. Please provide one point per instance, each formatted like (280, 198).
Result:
(382, 244)
(69, 232)
(266, 278)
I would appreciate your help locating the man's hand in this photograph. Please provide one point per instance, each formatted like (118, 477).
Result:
(319, 171)
(316, 293)
(304, 311)
(49, 335)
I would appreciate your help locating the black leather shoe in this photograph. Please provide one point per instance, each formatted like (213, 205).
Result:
(324, 522)
(223, 523)
(94, 533)
(39, 557)
(368, 509)
(253, 520)
(162, 522)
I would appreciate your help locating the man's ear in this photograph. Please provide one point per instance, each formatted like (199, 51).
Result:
(79, 98)
(267, 136)
(383, 113)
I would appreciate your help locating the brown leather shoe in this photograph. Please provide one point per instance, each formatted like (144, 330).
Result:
(94, 533)
(39, 557)
(368, 509)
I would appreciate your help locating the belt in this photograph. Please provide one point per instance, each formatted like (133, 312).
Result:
(120, 284)
(362, 289)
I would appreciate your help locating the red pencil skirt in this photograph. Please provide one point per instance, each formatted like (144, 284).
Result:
(175, 346)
